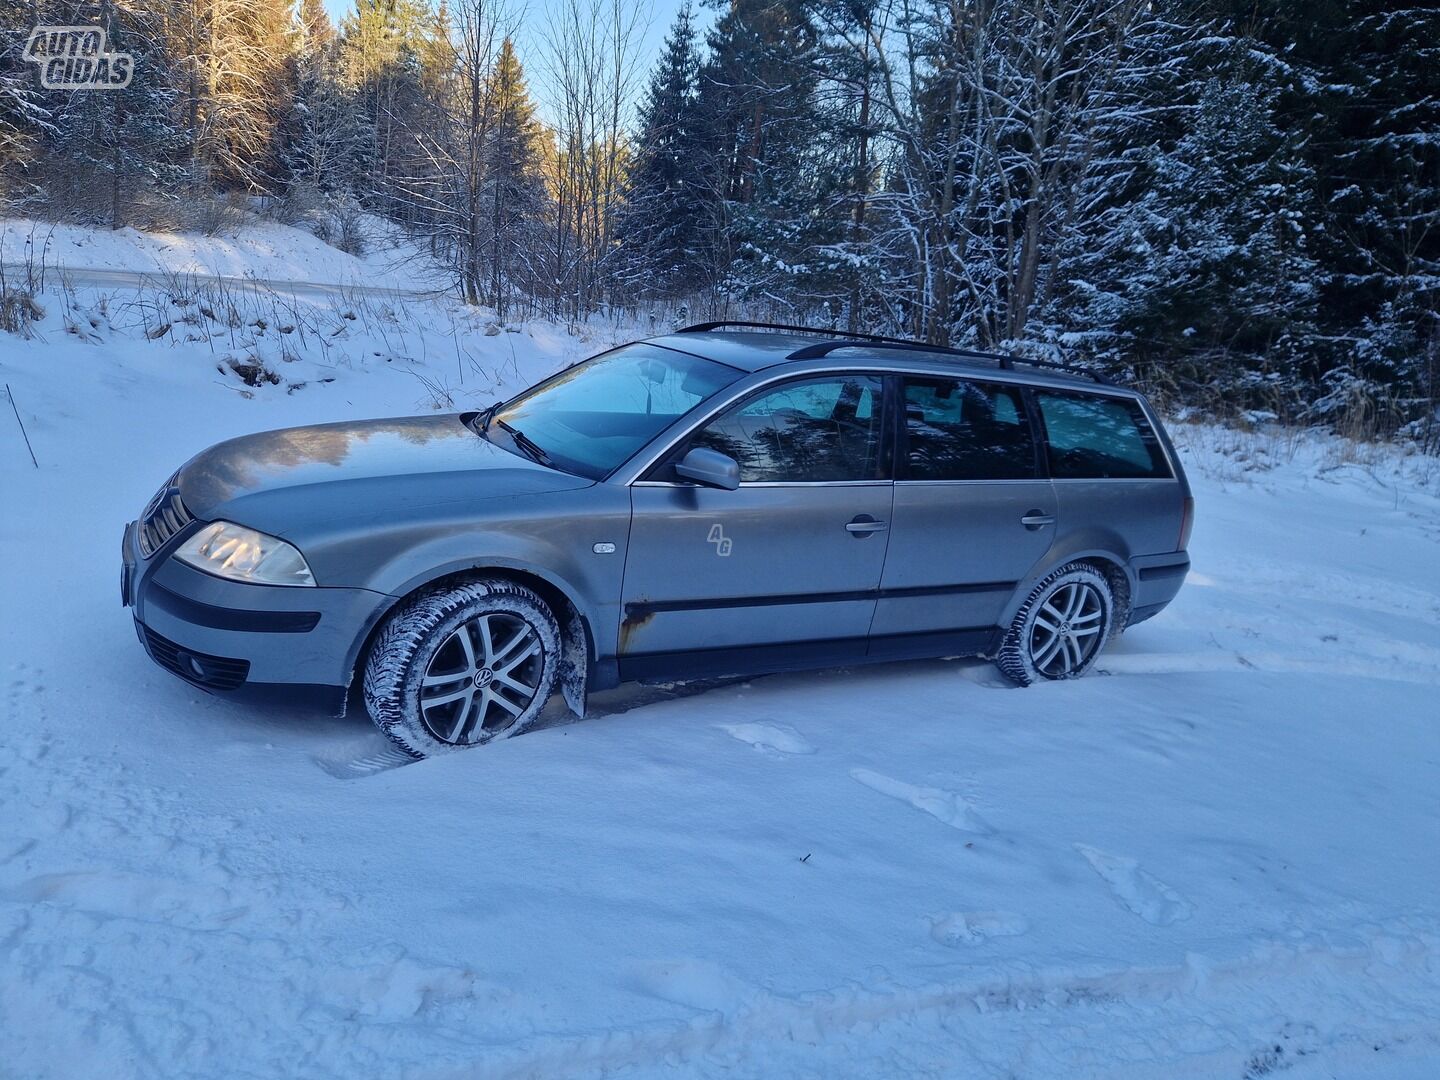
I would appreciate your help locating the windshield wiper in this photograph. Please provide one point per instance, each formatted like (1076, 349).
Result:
(481, 422)
(527, 444)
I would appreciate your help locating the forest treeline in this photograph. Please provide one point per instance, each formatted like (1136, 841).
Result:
(1237, 203)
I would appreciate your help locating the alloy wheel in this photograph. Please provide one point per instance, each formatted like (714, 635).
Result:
(1067, 629)
(482, 678)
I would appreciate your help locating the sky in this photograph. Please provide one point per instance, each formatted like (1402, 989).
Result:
(532, 16)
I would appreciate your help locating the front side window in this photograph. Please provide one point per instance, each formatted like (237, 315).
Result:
(1098, 438)
(816, 430)
(961, 430)
(590, 418)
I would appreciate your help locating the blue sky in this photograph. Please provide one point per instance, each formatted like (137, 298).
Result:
(531, 18)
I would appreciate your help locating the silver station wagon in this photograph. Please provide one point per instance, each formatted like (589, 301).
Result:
(729, 499)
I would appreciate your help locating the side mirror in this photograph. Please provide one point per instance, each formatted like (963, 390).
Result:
(709, 467)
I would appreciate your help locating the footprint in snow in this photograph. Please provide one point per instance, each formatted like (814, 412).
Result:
(961, 928)
(1140, 892)
(946, 806)
(769, 736)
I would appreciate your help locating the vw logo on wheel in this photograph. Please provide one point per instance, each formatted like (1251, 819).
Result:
(483, 678)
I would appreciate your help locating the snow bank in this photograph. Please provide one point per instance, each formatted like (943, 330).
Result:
(257, 249)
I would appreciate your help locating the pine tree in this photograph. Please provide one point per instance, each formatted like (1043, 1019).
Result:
(849, 111)
(381, 45)
(317, 32)
(24, 118)
(1382, 232)
(1208, 273)
(667, 201)
(513, 194)
(324, 140)
(93, 156)
(757, 98)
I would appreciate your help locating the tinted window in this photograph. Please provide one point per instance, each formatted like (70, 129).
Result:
(967, 431)
(817, 430)
(1099, 437)
(589, 418)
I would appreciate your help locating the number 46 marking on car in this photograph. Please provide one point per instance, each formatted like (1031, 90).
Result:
(719, 539)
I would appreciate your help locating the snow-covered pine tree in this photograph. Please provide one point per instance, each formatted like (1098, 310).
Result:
(849, 272)
(1382, 197)
(988, 118)
(24, 119)
(324, 139)
(94, 156)
(661, 230)
(316, 31)
(1203, 277)
(138, 141)
(381, 43)
(758, 102)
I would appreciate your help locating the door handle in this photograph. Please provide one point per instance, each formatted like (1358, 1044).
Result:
(1033, 519)
(864, 525)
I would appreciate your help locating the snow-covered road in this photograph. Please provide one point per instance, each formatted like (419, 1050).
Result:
(1218, 857)
(135, 279)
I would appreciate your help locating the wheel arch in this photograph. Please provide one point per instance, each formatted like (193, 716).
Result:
(576, 630)
(1115, 568)
(1118, 575)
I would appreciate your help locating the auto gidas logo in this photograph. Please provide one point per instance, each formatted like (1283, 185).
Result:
(76, 58)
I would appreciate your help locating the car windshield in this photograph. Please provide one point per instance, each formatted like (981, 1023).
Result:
(589, 418)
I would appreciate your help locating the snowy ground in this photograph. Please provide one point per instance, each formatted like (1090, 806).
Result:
(1217, 857)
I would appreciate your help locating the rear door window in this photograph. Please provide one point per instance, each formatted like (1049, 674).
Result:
(961, 430)
(1100, 438)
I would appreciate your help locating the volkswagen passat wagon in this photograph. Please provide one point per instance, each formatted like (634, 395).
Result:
(716, 501)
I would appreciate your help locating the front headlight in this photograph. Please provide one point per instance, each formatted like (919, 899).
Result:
(232, 551)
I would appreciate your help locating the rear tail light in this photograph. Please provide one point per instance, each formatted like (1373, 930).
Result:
(1187, 519)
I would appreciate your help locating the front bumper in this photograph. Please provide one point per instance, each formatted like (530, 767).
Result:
(235, 638)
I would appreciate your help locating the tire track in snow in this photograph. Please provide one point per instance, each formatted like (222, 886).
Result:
(732, 1028)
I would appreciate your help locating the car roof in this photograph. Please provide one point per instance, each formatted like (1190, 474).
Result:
(756, 350)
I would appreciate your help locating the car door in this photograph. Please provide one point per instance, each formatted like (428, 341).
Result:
(973, 515)
(782, 571)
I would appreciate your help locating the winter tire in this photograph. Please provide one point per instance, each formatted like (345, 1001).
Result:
(1061, 628)
(461, 666)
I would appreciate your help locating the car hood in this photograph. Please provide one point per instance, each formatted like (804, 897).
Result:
(278, 481)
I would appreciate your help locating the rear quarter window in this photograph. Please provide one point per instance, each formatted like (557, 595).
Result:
(1100, 438)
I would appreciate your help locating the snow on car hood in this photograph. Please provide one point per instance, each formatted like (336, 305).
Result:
(277, 480)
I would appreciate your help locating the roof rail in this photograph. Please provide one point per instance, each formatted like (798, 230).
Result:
(1006, 363)
(706, 327)
(845, 339)
(825, 348)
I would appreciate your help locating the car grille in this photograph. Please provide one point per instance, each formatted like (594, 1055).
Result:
(211, 672)
(163, 518)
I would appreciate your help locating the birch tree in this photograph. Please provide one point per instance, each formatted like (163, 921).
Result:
(590, 50)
